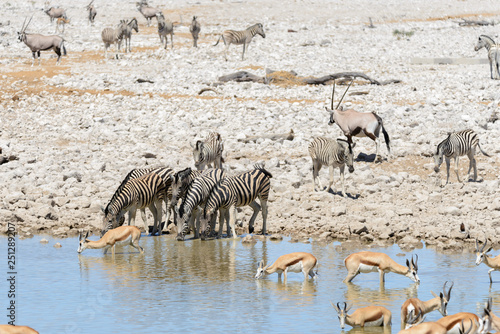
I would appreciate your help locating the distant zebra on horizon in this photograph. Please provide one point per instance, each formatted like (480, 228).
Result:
(241, 37)
(113, 36)
(195, 29)
(165, 28)
(127, 33)
(493, 54)
(455, 145)
(208, 152)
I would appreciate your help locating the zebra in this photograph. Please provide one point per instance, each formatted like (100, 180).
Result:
(454, 146)
(113, 36)
(165, 28)
(237, 191)
(241, 37)
(493, 54)
(196, 195)
(143, 192)
(127, 33)
(195, 29)
(208, 151)
(180, 183)
(92, 12)
(332, 153)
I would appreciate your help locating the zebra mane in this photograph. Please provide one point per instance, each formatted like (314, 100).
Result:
(261, 168)
(442, 143)
(182, 174)
(118, 191)
(253, 25)
(348, 144)
(488, 38)
(212, 191)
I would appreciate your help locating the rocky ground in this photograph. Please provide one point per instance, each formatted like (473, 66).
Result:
(70, 133)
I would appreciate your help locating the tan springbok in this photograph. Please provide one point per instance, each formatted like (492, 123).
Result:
(122, 235)
(371, 316)
(366, 262)
(420, 308)
(415, 325)
(490, 320)
(10, 329)
(462, 322)
(293, 262)
(492, 262)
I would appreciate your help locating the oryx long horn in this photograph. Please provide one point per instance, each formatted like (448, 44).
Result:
(333, 93)
(27, 18)
(28, 24)
(338, 105)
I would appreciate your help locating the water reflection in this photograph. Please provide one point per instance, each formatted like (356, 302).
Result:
(360, 295)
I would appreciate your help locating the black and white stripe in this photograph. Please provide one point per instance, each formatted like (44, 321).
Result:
(332, 153)
(241, 37)
(127, 33)
(237, 191)
(165, 28)
(493, 54)
(195, 29)
(181, 182)
(209, 152)
(456, 145)
(113, 36)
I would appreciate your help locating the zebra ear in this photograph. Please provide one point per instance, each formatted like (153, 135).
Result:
(199, 145)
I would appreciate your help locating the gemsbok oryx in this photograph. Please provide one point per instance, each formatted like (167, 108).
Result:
(241, 37)
(366, 262)
(129, 235)
(492, 262)
(370, 316)
(37, 43)
(454, 146)
(293, 262)
(165, 28)
(358, 124)
(14, 329)
(113, 36)
(462, 322)
(414, 324)
(92, 12)
(55, 13)
(127, 33)
(420, 308)
(61, 22)
(493, 54)
(332, 153)
(147, 11)
(195, 29)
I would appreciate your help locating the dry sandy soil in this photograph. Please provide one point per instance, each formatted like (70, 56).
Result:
(73, 131)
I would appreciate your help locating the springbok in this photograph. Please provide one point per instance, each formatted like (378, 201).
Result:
(415, 325)
(366, 262)
(55, 13)
(61, 22)
(11, 329)
(92, 12)
(462, 322)
(147, 11)
(37, 43)
(122, 235)
(420, 308)
(492, 262)
(358, 124)
(371, 316)
(490, 320)
(293, 262)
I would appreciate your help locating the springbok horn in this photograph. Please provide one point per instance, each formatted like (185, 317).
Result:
(449, 292)
(338, 105)
(415, 266)
(477, 246)
(485, 242)
(333, 93)
(338, 306)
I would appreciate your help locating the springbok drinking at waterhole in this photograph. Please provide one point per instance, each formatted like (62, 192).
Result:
(294, 262)
(462, 322)
(358, 124)
(492, 262)
(129, 235)
(415, 325)
(371, 316)
(11, 329)
(366, 262)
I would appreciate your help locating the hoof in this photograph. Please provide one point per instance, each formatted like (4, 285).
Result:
(179, 238)
(250, 229)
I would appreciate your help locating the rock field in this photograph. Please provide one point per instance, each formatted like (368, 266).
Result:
(70, 133)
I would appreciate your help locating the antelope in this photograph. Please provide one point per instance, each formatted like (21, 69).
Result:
(61, 22)
(371, 316)
(293, 262)
(146, 11)
(122, 235)
(358, 124)
(365, 262)
(37, 43)
(92, 12)
(55, 13)
(416, 325)
(490, 320)
(11, 329)
(420, 308)
(454, 324)
(492, 262)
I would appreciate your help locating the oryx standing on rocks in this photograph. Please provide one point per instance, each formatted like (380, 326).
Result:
(37, 43)
(55, 13)
(92, 12)
(195, 29)
(147, 11)
(358, 124)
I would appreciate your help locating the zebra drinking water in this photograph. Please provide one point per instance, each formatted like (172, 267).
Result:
(113, 36)
(241, 37)
(454, 146)
(493, 54)
(209, 151)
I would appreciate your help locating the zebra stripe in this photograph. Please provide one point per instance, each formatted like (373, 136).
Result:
(165, 28)
(127, 32)
(454, 146)
(208, 151)
(196, 195)
(195, 29)
(241, 37)
(113, 36)
(333, 153)
(181, 182)
(237, 191)
(493, 54)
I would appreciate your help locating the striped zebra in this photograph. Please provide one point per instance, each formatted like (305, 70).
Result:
(454, 146)
(181, 182)
(165, 28)
(241, 37)
(208, 151)
(196, 195)
(332, 153)
(234, 192)
(493, 54)
(113, 36)
(127, 33)
(143, 192)
(195, 29)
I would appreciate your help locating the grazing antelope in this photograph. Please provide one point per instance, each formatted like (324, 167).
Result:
(293, 262)
(92, 12)
(61, 22)
(11, 329)
(365, 262)
(195, 29)
(37, 43)
(129, 235)
(420, 308)
(241, 37)
(455, 323)
(371, 316)
(492, 262)
(358, 124)
(147, 11)
(55, 13)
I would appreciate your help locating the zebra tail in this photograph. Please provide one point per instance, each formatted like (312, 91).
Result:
(483, 152)
(269, 175)
(218, 40)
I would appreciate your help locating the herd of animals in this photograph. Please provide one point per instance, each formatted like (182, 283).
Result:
(195, 197)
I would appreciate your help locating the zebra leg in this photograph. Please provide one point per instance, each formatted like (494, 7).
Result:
(172, 39)
(472, 164)
(196, 229)
(232, 220)
(263, 203)
(222, 217)
(456, 168)
(256, 209)
(331, 169)
(243, 54)
(447, 169)
(159, 211)
(143, 216)
(342, 179)
(316, 169)
(491, 68)
(225, 50)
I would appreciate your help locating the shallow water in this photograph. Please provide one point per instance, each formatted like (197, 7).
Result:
(209, 286)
